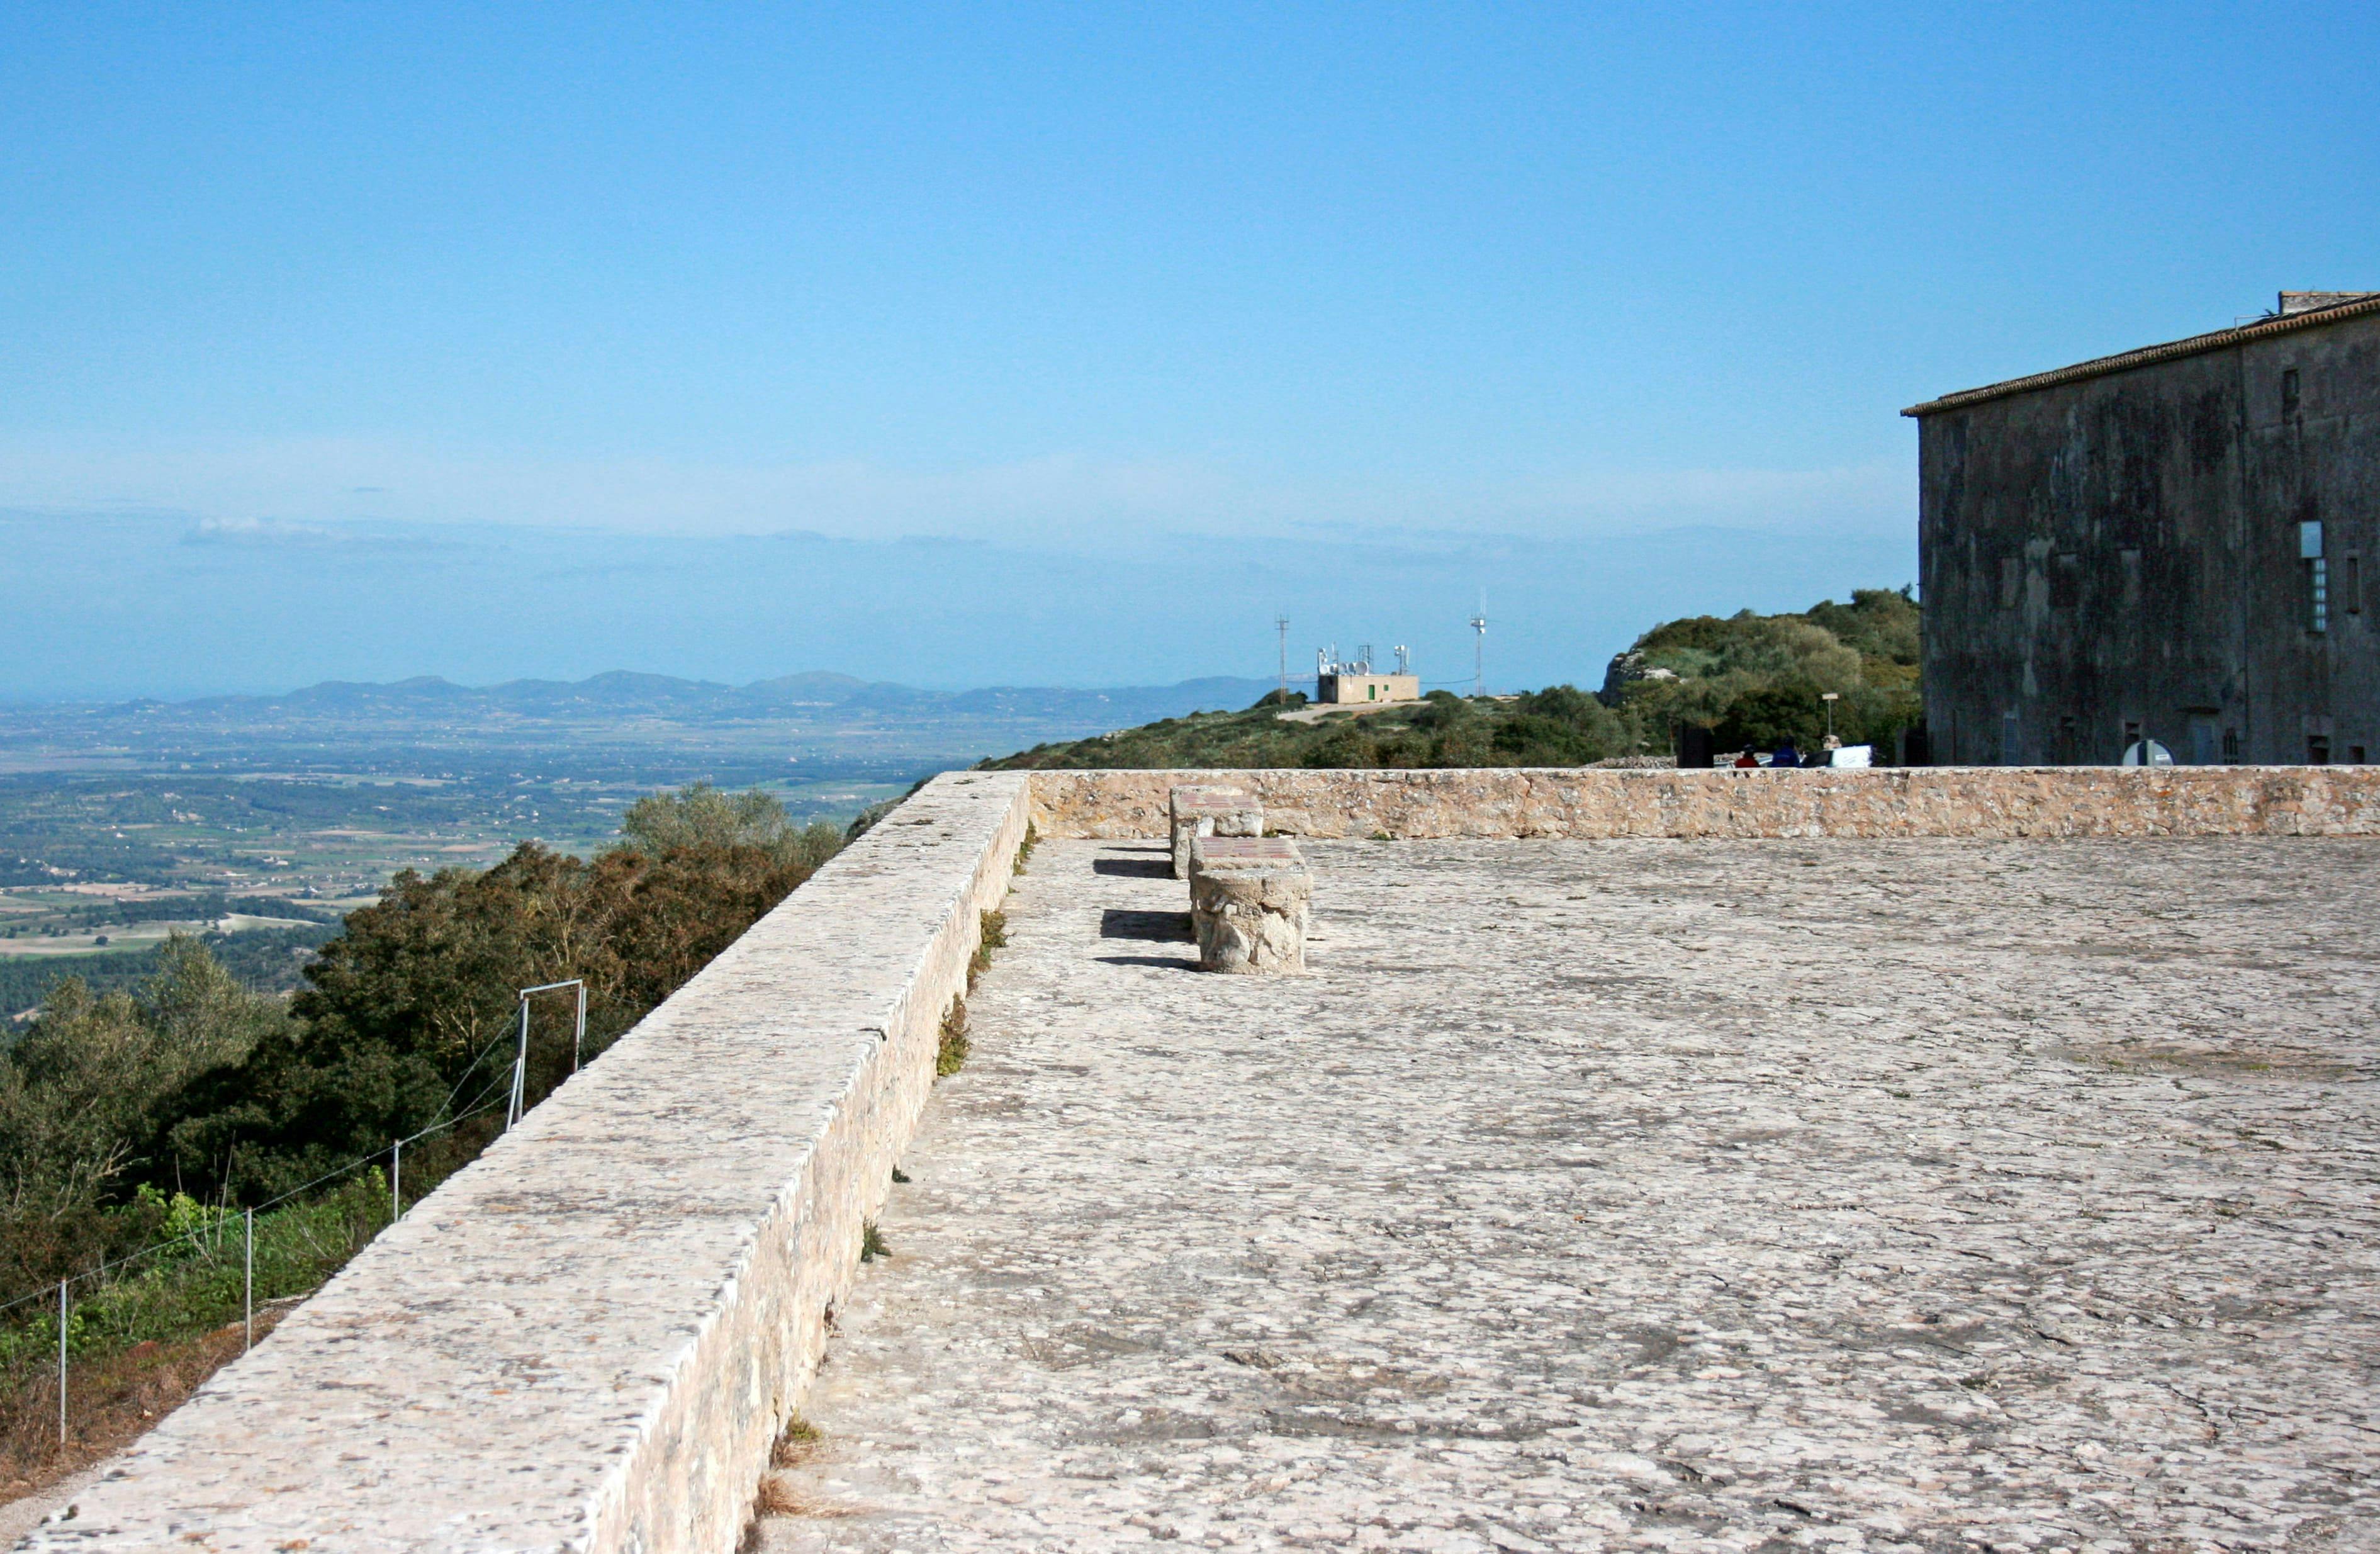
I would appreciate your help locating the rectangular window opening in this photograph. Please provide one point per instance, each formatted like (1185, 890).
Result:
(2202, 746)
(2290, 393)
(2318, 749)
(2351, 592)
(2355, 755)
(2320, 619)
(2230, 747)
(2066, 582)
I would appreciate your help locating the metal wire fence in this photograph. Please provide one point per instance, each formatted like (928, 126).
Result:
(183, 1282)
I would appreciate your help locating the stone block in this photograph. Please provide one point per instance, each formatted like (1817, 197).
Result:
(1250, 898)
(1210, 810)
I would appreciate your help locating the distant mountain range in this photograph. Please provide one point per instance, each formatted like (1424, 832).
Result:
(817, 696)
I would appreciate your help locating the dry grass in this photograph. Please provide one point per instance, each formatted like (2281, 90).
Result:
(779, 1493)
(110, 1403)
(780, 1496)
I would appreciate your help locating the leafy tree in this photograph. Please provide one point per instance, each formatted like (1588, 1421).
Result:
(702, 817)
(1755, 680)
(1878, 623)
(81, 1092)
(412, 1013)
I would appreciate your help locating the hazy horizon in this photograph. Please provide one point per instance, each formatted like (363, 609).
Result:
(110, 607)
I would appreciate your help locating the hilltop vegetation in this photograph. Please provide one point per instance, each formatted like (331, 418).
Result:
(1751, 679)
(1562, 726)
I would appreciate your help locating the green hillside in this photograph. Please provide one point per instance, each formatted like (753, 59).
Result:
(1753, 680)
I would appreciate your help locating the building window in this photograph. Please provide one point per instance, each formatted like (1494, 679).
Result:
(2318, 574)
(2068, 740)
(2010, 754)
(2355, 755)
(2230, 747)
(2289, 394)
(2352, 595)
(2066, 582)
(2318, 749)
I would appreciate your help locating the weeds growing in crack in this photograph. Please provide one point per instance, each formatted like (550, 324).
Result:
(794, 1446)
(993, 935)
(952, 1054)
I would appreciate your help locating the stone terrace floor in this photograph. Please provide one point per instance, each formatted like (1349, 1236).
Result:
(1644, 1195)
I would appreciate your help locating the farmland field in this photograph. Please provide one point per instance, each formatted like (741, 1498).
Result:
(258, 820)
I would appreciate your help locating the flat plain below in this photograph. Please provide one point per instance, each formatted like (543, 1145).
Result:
(1645, 1195)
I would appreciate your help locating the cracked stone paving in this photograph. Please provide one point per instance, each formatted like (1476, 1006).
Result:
(1639, 1195)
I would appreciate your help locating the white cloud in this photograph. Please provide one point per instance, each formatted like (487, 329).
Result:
(1060, 498)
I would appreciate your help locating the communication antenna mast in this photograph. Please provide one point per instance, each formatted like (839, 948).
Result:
(1280, 625)
(1479, 649)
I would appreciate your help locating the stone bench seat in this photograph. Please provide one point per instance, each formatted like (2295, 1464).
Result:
(1210, 810)
(1250, 898)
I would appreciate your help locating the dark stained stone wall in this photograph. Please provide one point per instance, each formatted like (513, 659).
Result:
(2124, 549)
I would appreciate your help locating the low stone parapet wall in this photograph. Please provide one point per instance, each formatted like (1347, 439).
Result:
(591, 1337)
(2072, 801)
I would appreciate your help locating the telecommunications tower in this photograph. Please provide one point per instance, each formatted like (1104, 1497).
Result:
(1280, 625)
(1479, 650)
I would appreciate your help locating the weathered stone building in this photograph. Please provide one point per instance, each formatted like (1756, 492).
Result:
(2170, 542)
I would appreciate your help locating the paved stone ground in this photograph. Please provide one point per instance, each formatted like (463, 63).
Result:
(1659, 1195)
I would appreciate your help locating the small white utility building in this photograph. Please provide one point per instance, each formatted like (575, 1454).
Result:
(1350, 681)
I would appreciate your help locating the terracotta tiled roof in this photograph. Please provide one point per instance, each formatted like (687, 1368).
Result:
(2361, 304)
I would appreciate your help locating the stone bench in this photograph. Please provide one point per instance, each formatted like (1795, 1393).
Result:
(1205, 809)
(1250, 897)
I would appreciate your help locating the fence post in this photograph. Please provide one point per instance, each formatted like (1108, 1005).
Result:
(395, 1181)
(520, 1069)
(62, 1365)
(578, 1033)
(247, 1291)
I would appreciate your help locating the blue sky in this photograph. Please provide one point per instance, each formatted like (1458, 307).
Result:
(1306, 293)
